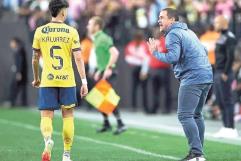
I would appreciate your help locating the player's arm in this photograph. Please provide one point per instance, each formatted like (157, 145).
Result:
(80, 64)
(35, 59)
(81, 70)
(76, 50)
(35, 68)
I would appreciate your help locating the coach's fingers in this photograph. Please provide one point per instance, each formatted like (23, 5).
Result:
(152, 44)
(148, 43)
(150, 39)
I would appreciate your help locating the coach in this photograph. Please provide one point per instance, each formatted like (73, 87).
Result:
(192, 68)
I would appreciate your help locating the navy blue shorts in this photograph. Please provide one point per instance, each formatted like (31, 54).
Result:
(52, 98)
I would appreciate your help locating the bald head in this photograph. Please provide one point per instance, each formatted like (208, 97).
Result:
(220, 23)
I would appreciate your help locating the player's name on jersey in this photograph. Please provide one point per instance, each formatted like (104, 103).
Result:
(48, 29)
(55, 39)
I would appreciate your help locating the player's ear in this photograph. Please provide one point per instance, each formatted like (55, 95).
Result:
(62, 12)
(65, 12)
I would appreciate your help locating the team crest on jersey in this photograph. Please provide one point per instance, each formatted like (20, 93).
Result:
(50, 76)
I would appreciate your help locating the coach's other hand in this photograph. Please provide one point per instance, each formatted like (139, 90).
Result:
(36, 83)
(152, 45)
(83, 90)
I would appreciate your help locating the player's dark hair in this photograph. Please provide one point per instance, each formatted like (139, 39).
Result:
(55, 6)
(98, 21)
(172, 13)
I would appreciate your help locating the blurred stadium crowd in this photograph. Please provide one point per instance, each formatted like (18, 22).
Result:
(130, 23)
(129, 15)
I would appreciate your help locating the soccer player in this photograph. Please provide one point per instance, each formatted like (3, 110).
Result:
(56, 42)
(192, 68)
(106, 57)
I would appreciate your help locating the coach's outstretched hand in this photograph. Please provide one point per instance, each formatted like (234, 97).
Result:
(83, 90)
(152, 45)
(36, 83)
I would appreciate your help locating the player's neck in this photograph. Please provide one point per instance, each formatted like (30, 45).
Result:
(57, 19)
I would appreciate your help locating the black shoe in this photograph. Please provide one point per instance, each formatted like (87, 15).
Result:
(194, 157)
(120, 129)
(105, 128)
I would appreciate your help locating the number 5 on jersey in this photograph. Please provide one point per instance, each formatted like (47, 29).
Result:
(60, 66)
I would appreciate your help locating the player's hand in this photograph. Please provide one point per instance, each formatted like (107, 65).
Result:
(152, 44)
(224, 77)
(107, 73)
(97, 76)
(83, 90)
(36, 83)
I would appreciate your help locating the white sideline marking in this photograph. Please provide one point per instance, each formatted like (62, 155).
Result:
(175, 130)
(140, 151)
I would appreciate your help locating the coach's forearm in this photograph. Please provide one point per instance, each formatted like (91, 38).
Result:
(35, 65)
(160, 56)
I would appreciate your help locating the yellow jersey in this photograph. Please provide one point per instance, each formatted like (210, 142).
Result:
(56, 42)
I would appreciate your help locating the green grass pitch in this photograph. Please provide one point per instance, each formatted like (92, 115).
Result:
(20, 140)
